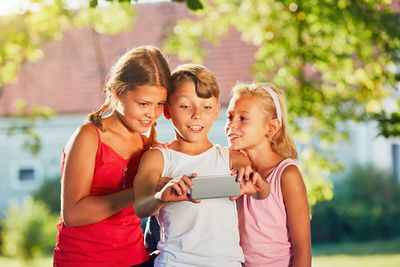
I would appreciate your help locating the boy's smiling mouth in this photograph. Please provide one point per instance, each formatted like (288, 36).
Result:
(195, 128)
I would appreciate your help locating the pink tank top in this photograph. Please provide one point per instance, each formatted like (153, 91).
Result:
(264, 234)
(115, 241)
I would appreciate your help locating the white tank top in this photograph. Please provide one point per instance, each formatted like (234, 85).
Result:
(204, 234)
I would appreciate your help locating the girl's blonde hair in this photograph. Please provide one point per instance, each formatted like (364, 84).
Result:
(143, 65)
(205, 82)
(281, 142)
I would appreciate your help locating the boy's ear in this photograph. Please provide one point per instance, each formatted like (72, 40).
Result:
(167, 115)
(218, 109)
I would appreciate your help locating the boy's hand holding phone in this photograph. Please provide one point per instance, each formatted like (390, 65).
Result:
(177, 190)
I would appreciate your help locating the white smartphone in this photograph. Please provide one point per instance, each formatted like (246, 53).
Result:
(214, 186)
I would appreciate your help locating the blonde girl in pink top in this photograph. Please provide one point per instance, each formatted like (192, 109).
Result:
(274, 231)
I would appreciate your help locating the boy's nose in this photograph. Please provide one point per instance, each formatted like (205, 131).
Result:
(196, 113)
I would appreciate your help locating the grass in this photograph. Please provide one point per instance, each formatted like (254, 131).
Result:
(377, 260)
(347, 254)
(353, 254)
(358, 248)
(40, 262)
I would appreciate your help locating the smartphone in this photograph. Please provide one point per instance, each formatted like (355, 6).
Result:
(214, 186)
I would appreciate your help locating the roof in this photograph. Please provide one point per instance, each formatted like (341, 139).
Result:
(69, 78)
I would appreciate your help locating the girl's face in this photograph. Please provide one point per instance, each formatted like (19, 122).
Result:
(142, 106)
(246, 125)
(191, 115)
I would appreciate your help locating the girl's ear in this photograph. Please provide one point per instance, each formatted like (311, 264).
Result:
(167, 115)
(273, 127)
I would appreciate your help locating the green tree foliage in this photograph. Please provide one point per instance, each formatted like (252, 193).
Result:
(366, 206)
(334, 59)
(49, 193)
(28, 231)
(388, 123)
(23, 34)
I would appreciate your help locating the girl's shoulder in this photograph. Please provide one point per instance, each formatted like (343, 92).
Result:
(86, 134)
(291, 179)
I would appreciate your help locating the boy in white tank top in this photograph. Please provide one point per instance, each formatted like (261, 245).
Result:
(193, 233)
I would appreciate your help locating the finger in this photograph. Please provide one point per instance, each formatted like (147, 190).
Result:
(247, 171)
(240, 174)
(182, 186)
(233, 172)
(177, 189)
(187, 180)
(193, 175)
(197, 201)
(233, 198)
(255, 177)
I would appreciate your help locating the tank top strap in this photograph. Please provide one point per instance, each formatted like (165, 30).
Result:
(277, 172)
(283, 164)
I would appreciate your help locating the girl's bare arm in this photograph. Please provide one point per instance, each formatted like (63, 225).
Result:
(77, 206)
(295, 199)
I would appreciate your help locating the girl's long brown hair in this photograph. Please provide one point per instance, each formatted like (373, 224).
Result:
(139, 66)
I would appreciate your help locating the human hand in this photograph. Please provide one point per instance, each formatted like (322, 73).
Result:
(176, 190)
(162, 182)
(251, 183)
(159, 145)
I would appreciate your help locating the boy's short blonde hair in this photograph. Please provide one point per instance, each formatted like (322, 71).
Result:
(205, 82)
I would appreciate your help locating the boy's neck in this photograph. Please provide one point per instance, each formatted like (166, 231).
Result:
(188, 148)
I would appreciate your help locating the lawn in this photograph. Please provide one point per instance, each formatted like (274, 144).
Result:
(354, 254)
(348, 254)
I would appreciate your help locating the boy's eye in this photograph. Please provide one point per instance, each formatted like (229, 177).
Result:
(208, 107)
(143, 104)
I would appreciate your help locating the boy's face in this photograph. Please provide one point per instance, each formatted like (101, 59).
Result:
(191, 115)
(246, 126)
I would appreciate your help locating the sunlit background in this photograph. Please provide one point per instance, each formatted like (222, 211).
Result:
(336, 61)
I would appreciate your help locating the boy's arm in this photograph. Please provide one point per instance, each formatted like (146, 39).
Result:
(251, 183)
(145, 183)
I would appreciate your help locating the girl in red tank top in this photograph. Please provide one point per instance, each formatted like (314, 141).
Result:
(98, 226)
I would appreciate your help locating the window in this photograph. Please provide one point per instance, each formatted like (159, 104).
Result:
(26, 175)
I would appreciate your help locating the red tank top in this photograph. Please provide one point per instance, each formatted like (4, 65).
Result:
(115, 241)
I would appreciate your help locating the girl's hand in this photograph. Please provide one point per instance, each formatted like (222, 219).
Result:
(159, 145)
(251, 183)
(176, 190)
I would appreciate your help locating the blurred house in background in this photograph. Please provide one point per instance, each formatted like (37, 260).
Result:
(69, 79)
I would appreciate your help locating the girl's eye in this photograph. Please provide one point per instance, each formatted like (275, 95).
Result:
(184, 106)
(208, 107)
(229, 117)
(242, 118)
